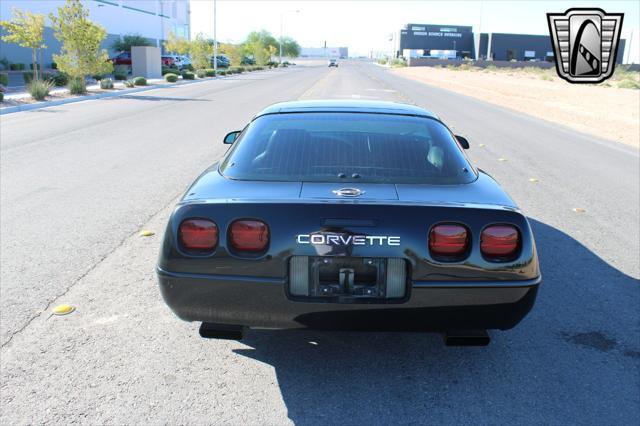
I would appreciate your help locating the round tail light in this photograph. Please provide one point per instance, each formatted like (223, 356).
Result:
(249, 235)
(198, 234)
(499, 241)
(448, 240)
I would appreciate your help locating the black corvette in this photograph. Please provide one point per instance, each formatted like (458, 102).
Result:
(353, 216)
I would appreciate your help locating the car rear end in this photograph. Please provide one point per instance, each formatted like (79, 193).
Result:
(379, 241)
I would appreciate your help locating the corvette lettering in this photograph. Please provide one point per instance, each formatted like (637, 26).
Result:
(345, 240)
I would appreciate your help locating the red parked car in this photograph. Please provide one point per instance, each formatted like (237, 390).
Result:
(123, 58)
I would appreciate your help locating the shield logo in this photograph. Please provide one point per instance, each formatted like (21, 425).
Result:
(585, 43)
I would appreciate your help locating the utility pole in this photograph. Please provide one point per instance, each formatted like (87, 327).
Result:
(215, 41)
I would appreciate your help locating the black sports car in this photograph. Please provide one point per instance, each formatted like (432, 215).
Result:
(348, 215)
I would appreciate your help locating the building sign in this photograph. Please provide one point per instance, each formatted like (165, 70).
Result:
(529, 54)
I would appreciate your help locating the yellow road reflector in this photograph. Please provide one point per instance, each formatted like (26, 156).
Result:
(63, 309)
(481, 145)
(579, 210)
(502, 159)
(146, 233)
(534, 180)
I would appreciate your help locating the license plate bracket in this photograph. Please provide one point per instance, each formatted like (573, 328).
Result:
(347, 279)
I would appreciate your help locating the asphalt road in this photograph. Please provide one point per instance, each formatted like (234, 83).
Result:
(79, 181)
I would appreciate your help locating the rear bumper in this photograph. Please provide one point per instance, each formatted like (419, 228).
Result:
(431, 306)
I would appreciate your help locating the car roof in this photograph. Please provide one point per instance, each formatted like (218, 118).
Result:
(355, 106)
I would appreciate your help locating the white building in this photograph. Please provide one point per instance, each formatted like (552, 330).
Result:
(324, 52)
(152, 19)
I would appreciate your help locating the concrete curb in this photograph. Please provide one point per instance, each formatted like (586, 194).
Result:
(47, 104)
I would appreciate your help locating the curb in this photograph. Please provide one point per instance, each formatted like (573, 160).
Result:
(41, 105)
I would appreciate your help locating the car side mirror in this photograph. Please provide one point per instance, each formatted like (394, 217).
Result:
(231, 137)
(463, 141)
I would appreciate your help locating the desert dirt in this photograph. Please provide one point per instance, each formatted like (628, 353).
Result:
(601, 110)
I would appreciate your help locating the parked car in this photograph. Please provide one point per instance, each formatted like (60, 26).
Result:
(179, 61)
(248, 60)
(222, 62)
(168, 61)
(354, 215)
(333, 63)
(123, 58)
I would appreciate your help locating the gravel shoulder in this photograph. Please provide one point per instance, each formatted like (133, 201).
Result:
(605, 111)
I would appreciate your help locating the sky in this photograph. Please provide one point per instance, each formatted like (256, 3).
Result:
(364, 26)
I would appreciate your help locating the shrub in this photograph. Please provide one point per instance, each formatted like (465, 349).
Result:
(27, 77)
(16, 67)
(120, 76)
(170, 70)
(54, 66)
(187, 67)
(60, 79)
(140, 81)
(628, 84)
(39, 89)
(188, 75)
(106, 83)
(222, 72)
(398, 62)
(1, 96)
(210, 72)
(130, 83)
(284, 65)
(4, 79)
(171, 78)
(201, 73)
(77, 86)
(37, 66)
(546, 77)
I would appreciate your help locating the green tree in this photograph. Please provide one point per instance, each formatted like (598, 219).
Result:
(235, 52)
(80, 54)
(290, 47)
(201, 52)
(27, 30)
(261, 45)
(124, 44)
(175, 44)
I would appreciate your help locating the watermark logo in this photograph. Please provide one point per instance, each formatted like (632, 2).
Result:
(585, 43)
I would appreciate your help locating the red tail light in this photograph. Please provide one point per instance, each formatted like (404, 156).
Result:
(249, 235)
(198, 234)
(499, 241)
(448, 240)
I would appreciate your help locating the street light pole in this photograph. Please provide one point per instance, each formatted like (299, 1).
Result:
(215, 41)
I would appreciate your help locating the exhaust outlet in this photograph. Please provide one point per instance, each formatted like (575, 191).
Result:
(209, 330)
(466, 338)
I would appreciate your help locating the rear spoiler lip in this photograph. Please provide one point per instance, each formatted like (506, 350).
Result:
(313, 201)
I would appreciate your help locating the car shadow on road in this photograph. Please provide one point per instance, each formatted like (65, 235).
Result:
(574, 359)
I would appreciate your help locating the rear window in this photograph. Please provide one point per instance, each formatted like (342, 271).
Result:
(347, 147)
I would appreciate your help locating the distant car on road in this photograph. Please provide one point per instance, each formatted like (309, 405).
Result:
(333, 63)
(348, 215)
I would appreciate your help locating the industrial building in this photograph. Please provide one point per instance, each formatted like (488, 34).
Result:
(153, 19)
(324, 52)
(459, 42)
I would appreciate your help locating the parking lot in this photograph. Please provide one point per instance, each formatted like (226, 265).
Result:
(80, 181)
